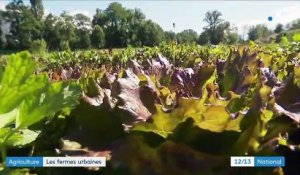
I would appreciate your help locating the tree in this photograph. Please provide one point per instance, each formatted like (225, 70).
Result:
(24, 27)
(187, 36)
(279, 37)
(67, 29)
(1, 32)
(135, 21)
(138, 15)
(1, 41)
(279, 28)
(83, 30)
(169, 36)
(152, 34)
(38, 47)
(203, 38)
(51, 35)
(37, 8)
(82, 21)
(100, 18)
(216, 27)
(98, 37)
(116, 14)
(115, 25)
(258, 32)
(231, 35)
(60, 31)
(123, 27)
(213, 19)
(253, 33)
(218, 35)
(295, 24)
(232, 38)
(83, 39)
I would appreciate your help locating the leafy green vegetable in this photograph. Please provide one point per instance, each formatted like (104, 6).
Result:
(27, 98)
(17, 139)
(171, 109)
(18, 81)
(297, 75)
(8, 118)
(57, 96)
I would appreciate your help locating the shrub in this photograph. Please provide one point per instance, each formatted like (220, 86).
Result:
(39, 47)
(64, 45)
(296, 37)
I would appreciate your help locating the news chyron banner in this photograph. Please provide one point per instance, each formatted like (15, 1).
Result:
(55, 161)
(257, 161)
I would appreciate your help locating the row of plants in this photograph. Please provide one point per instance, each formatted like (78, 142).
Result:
(177, 109)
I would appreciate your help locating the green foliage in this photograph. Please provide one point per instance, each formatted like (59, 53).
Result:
(64, 45)
(258, 32)
(169, 36)
(1, 40)
(180, 108)
(294, 24)
(120, 27)
(215, 29)
(196, 105)
(296, 37)
(152, 34)
(39, 47)
(297, 75)
(54, 98)
(203, 38)
(279, 28)
(37, 8)
(83, 24)
(187, 36)
(284, 41)
(60, 32)
(112, 27)
(83, 41)
(124, 27)
(232, 38)
(18, 81)
(98, 37)
(253, 34)
(16, 139)
(27, 99)
(26, 27)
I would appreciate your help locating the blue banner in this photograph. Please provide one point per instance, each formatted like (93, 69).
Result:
(24, 161)
(56, 161)
(272, 161)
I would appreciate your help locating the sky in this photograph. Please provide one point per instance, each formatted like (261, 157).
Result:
(188, 14)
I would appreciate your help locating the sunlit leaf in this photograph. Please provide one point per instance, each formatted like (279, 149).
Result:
(8, 118)
(18, 138)
(18, 81)
(42, 104)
